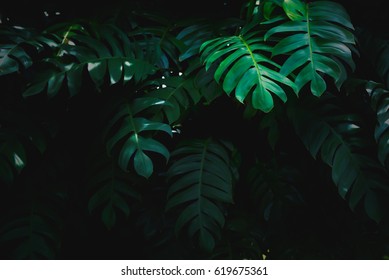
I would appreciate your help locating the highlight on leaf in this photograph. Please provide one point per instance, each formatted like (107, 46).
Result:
(320, 43)
(105, 53)
(246, 68)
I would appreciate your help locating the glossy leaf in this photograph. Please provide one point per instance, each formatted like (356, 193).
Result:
(133, 138)
(317, 42)
(244, 67)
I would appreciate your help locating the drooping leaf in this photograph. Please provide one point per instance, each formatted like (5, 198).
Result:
(338, 141)
(201, 181)
(318, 41)
(379, 98)
(245, 67)
(108, 56)
(133, 135)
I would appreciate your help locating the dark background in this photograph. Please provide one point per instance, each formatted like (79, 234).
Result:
(81, 238)
(372, 13)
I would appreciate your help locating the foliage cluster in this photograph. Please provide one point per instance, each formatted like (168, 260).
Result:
(263, 135)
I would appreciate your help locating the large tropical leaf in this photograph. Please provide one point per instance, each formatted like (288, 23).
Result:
(245, 67)
(339, 140)
(317, 40)
(132, 133)
(201, 180)
(380, 103)
(106, 54)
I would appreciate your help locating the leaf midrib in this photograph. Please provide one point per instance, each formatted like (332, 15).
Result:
(309, 39)
(256, 65)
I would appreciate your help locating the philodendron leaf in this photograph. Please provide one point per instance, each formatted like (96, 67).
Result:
(106, 54)
(201, 182)
(317, 42)
(245, 67)
(134, 137)
(379, 99)
(338, 141)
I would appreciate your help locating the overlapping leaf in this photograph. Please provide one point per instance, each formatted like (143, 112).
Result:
(201, 181)
(338, 139)
(130, 131)
(13, 57)
(317, 41)
(178, 91)
(161, 46)
(105, 54)
(193, 36)
(380, 103)
(195, 33)
(245, 67)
